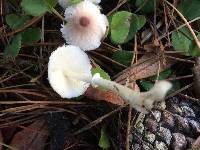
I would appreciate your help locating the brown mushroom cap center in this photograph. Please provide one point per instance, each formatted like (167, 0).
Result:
(84, 21)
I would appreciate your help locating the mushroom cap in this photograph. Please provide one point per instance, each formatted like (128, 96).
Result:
(66, 3)
(85, 26)
(64, 62)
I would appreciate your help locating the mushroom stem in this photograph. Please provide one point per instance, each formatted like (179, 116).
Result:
(125, 92)
(84, 78)
(136, 99)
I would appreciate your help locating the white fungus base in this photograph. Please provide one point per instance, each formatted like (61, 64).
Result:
(65, 62)
(138, 100)
(87, 38)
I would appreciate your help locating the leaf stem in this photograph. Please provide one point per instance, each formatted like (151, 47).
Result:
(57, 14)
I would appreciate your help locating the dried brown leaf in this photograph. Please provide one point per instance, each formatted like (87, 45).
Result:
(147, 66)
(108, 96)
(32, 137)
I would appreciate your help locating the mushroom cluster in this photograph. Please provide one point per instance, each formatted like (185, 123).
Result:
(69, 68)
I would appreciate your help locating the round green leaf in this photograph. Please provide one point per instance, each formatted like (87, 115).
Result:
(124, 25)
(183, 41)
(102, 73)
(31, 35)
(146, 5)
(14, 47)
(120, 26)
(138, 21)
(190, 9)
(34, 7)
(15, 21)
(180, 41)
(123, 57)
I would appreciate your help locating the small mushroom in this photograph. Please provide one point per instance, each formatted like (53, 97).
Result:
(68, 69)
(66, 3)
(85, 26)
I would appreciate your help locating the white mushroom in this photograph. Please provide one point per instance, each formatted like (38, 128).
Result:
(67, 3)
(85, 26)
(137, 100)
(68, 69)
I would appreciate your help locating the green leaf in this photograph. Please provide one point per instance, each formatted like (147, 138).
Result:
(183, 41)
(14, 47)
(194, 49)
(124, 26)
(190, 9)
(31, 35)
(51, 3)
(146, 85)
(163, 75)
(37, 7)
(15, 21)
(102, 73)
(123, 57)
(120, 26)
(104, 142)
(146, 6)
(137, 23)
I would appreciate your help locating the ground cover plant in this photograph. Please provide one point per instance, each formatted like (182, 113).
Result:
(90, 74)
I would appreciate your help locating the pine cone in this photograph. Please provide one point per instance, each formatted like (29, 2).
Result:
(173, 124)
